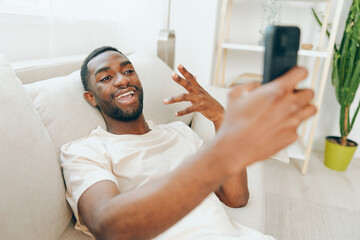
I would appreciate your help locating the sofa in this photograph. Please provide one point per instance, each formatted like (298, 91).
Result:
(42, 107)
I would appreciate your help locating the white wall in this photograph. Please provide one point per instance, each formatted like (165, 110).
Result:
(58, 28)
(195, 24)
(55, 28)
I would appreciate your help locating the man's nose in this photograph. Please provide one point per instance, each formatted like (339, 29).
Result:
(121, 80)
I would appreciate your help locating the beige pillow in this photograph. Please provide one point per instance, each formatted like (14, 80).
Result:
(62, 108)
(32, 202)
(67, 115)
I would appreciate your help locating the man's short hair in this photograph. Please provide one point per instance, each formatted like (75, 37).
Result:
(85, 74)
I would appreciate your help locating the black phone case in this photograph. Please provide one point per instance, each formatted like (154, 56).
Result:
(281, 47)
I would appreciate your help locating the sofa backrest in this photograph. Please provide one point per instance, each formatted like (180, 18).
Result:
(46, 69)
(32, 202)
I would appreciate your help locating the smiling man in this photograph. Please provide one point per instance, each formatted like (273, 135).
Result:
(119, 101)
(138, 180)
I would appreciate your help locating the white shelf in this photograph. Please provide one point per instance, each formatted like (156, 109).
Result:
(313, 53)
(307, 0)
(243, 47)
(258, 48)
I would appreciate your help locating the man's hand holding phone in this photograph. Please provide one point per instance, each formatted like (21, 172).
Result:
(271, 113)
(263, 121)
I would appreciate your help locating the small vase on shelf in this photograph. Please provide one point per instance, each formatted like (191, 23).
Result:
(271, 12)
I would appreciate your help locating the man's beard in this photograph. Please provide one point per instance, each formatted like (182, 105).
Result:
(119, 114)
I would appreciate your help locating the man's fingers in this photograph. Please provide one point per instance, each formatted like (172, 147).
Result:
(187, 74)
(179, 98)
(300, 98)
(290, 79)
(291, 104)
(182, 82)
(184, 72)
(188, 110)
(306, 112)
(190, 77)
(288, 127)
(294, 121)
(241, 89)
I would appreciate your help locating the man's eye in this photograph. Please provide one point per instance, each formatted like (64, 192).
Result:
(105, 79)
(128, 71)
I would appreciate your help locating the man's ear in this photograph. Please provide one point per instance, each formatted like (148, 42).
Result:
(90, 98)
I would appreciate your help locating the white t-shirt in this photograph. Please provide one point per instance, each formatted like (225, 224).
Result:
(131, 161)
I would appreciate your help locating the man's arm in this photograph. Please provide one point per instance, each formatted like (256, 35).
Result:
(234, 192)
(148, 211)
(257, 125)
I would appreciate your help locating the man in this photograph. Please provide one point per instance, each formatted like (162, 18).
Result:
(140, 181)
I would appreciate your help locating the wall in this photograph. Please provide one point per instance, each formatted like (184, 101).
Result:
(58, 28)
(55, 28)
(195, 25)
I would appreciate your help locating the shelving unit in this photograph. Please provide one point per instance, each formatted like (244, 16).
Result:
(258, 48)
(298, 150)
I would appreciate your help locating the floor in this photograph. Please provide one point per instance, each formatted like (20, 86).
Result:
(323, 204)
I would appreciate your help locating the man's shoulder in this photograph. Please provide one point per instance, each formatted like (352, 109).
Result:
(91, 140)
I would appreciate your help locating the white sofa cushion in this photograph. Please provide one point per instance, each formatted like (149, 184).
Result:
(32, 191)
(67, 115)
(62, 108)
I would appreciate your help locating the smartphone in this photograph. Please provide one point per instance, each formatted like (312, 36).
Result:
(281, 47)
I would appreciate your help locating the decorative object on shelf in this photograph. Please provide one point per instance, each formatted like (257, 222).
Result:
(245, 78)
(307, 46)
(271, 12)
(345, 79)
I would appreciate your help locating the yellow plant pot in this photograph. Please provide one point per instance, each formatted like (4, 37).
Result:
(338, 157)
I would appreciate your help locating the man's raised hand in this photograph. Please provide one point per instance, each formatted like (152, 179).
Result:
(201, 100)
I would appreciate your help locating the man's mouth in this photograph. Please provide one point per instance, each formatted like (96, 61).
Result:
(125, 95)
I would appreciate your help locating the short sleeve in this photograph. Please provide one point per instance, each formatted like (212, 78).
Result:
(84, 163)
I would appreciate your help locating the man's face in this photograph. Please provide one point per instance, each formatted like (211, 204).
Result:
(115, 86)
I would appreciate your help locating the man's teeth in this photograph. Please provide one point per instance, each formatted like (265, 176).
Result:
(124, 95)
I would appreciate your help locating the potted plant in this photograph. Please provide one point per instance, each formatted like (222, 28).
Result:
(345, 79)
